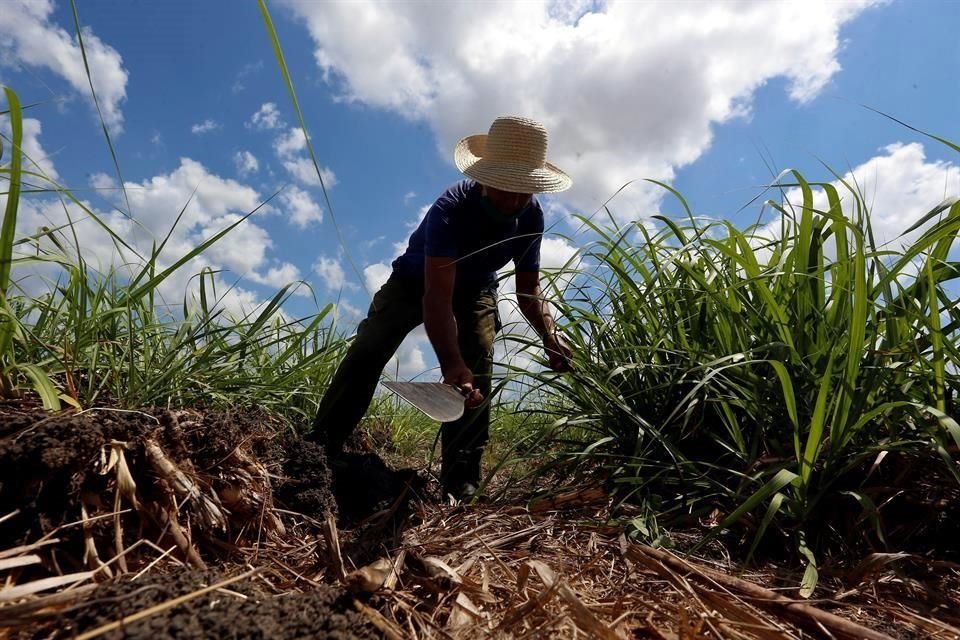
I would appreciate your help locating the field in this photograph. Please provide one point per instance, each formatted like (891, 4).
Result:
(759, 439)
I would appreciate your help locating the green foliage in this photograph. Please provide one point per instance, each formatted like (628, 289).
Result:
(107, 338)
(760, 371)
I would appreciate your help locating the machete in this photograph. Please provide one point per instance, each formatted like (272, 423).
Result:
(442, 402)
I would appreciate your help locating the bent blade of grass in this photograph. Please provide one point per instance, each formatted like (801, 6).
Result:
(96, 102)
(936, 341)
(9, 228)
(288, 81)
(155, 281)
(781, 479)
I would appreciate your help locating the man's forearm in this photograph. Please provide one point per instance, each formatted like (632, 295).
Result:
(441, 327)
(535, 309)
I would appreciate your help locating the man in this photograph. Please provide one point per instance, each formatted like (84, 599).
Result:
(446, 279)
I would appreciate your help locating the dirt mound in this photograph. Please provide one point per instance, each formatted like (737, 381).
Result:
(306, 486)
(240, 612)
(364, 485)
(209, 489)
(211, 473)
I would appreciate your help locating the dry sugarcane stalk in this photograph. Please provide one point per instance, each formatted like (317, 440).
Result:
(211, 513)
(21, 613)
(520, 612)
(391, 581)
(167, 517)
(370, 578)
(389, 629)
(333, 545)
(581, 615)
(19, 561)
(126, 488)
(801, 611)
(575, 498)
(90, 555)
(26, 548)
(15, 593)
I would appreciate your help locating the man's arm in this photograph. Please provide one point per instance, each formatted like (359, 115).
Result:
(534, 308)
(441, 324)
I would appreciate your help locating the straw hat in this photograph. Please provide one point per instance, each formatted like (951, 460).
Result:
(511, 157)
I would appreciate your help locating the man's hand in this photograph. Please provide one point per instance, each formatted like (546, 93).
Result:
(460, 376)
(558, 352)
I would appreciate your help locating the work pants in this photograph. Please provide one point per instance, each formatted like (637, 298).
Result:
(397, 309)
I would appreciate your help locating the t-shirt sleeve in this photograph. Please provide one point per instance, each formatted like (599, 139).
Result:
(527, 257)
(441, 238)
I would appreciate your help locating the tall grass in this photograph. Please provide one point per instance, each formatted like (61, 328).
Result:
(761, 372)
(107, 338)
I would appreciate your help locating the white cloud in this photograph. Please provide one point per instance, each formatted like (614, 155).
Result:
(401, 245)
(246, 163)
(303, 171)
(555, 252)
(290, 143)
(627, 89)
(266, 117)
(300, 207)
(28, 37)
(289, 147)
(156, 203)
(208, 204)
(414, 359)
(206, 126)
(375, 275)
(280, 276)
(331, 272)
(899, 187)
(36, 156)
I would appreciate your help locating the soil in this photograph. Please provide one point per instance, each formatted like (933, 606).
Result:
(52, 465)
(242, 612)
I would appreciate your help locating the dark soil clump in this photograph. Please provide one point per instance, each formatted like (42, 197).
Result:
(323, 612)
(51, 465)
(364, 485)
(307, 484)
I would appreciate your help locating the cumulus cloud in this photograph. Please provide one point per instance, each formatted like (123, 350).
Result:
(209, 204)
(414, 359)
(206, 126)
(331, 272)
(29, 37)
(266, 117)
(300, 207)
(246, 163)
(280, 276)
(305, 173)
(290, 143)
(899, 187)
(290, 147)
(36, 156)
(375, 275)
(627, 89)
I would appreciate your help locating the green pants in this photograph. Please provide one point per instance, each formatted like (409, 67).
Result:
(396, 310)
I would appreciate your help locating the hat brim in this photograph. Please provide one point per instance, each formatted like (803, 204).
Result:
(506, 176)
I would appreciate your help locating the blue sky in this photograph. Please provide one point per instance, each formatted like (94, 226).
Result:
(701, 95)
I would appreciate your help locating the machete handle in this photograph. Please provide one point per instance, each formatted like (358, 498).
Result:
(472, 398)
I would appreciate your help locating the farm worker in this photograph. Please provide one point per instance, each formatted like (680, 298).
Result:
(446, 279)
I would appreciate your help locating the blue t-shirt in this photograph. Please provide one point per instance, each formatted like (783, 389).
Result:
(458, 226)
